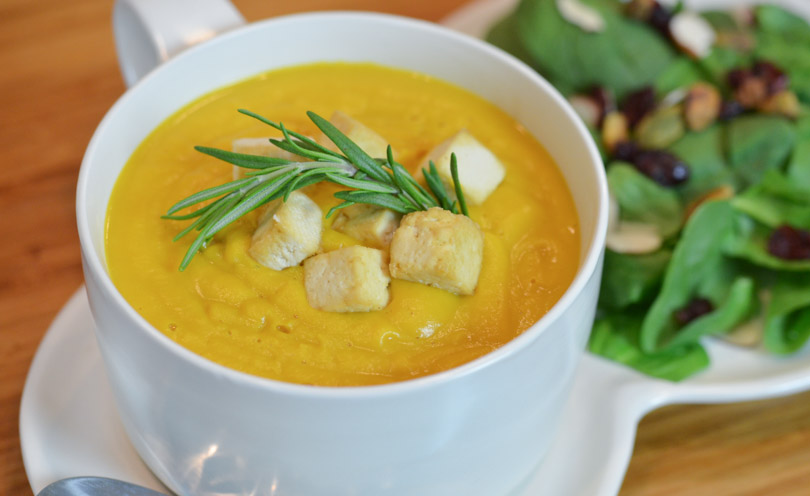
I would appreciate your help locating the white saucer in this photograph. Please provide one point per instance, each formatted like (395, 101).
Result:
(69, 426)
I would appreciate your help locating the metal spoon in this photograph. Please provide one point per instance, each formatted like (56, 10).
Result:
(95, 486)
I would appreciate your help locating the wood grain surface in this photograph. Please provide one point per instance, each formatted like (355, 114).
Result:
(59, 75)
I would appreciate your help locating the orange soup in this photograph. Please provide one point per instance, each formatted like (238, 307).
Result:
(233, 311)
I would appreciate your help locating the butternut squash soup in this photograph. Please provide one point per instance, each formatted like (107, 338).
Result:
(231, 309)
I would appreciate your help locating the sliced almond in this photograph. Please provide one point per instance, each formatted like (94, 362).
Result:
(587, 109)
(749, 333)
(581, 15)
(784, 103)
(702, 106)
(692, 33)
(722, 192)
(674, 97)
(615, 130)
(634, 238)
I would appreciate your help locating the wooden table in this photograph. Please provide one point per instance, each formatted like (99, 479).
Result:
(59, 76)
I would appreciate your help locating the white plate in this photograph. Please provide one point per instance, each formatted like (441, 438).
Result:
(69, 425)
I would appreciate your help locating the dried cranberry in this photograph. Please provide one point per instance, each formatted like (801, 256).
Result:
(625, 150)
(735, 77)
(604, 100)
(775, 79)
(698, 307)
(660, 17)
(638, 104)
(788, 243)
(730, 109)
(662, 167)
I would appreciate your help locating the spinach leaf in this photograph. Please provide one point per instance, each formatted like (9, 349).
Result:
(787, 321)
(504, 35)
(749, 241)
(776, 20)
(615, 337)
(630, 279)
(704, 152)
(721, 60)
(681, 73)
(642, 199)
(776, 201)
(758, 143)
(739, 304)
(697, 256)
(798, 169)
(783, 38)
(624, 57)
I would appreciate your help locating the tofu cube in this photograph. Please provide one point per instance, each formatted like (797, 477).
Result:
(371, 225)
(351, 279)
(479, 170)
(259, 146)
(438, 248)
(367, 139)
(288, 232)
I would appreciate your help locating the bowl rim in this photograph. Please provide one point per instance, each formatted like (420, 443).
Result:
(585, 272)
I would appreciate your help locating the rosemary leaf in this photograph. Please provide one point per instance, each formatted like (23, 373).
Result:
(209, 193)
(243, 159)
(437, 187)
(255, 198)
(338, 207)
(307, 142)
(354, 153)
(376, 181)
(457, 184)
(386, 201)
(361, 184)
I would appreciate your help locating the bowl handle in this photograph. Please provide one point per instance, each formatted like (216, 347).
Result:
(150, 32)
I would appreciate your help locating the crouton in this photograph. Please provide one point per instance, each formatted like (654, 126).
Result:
(259, 146)
(364, 137)
(371, 225)
(438, 248)
(351, 279)
(479, 170)
(288, 232)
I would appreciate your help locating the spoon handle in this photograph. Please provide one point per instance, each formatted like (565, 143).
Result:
(95, 486)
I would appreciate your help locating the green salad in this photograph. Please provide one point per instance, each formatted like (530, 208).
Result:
(704, 126)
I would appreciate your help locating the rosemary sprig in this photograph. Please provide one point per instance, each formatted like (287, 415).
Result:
(376, 181)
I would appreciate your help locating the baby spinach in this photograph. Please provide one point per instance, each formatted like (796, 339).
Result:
(704, 151)
(642, 199)
(749, 241)
(783, 38)
(631, 279)
(787, 321)
(504, 35)
(615, 337)
(697, 255)
(722, 253)
(681, 73)
(758, 143)
(737, 305)
(798, 169)
(775, 202)
(625, 56)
